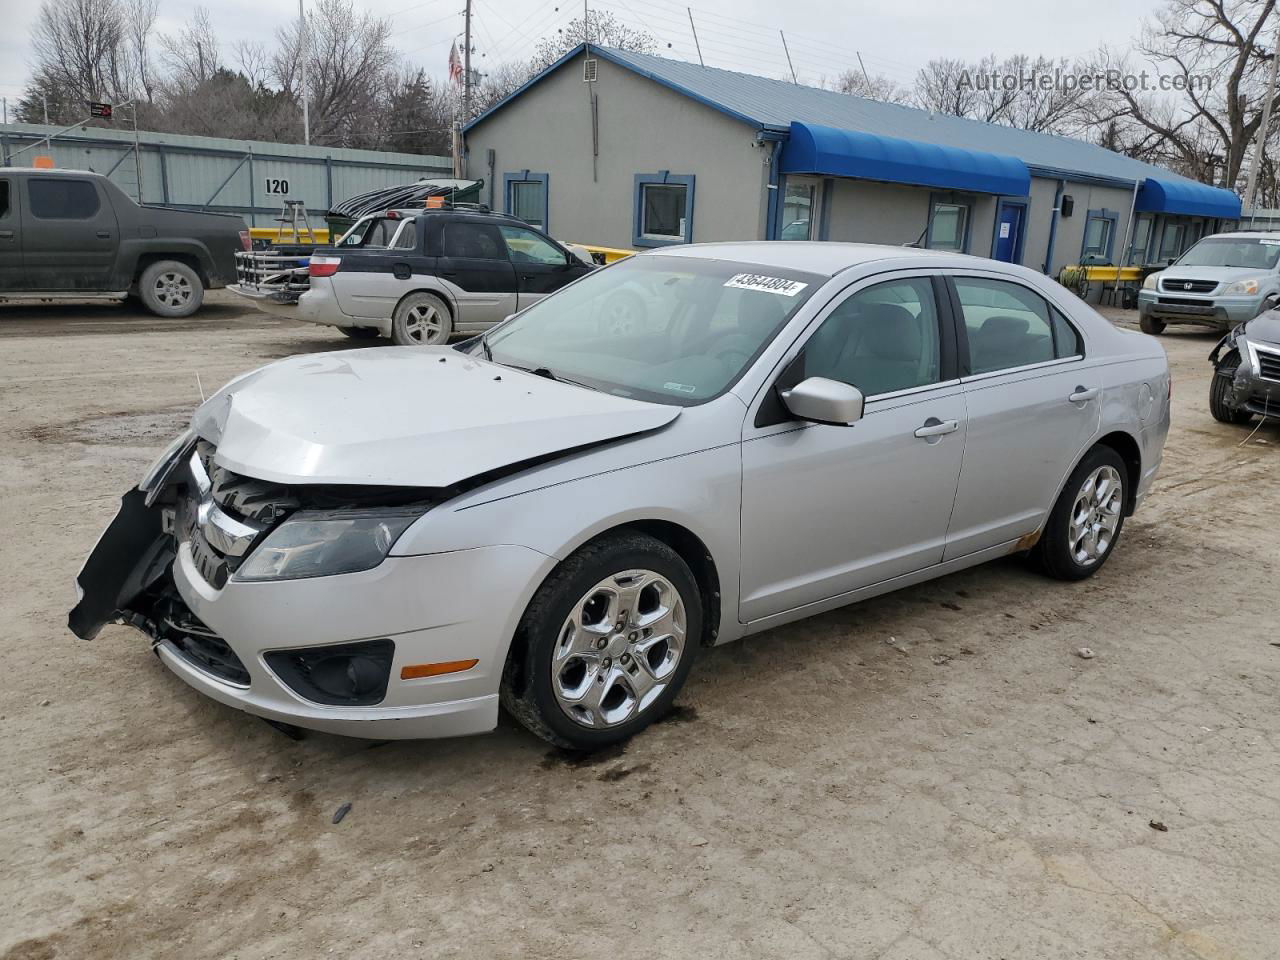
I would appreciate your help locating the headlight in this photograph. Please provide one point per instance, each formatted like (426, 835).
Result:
(159, 469)
(320, 544)
(1242, 286)
(1150, 282)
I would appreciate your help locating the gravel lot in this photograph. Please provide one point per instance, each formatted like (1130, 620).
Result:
(932, 774)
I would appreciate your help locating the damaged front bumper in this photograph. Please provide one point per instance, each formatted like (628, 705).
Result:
(260, 646)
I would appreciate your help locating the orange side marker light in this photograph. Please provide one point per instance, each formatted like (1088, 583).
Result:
(416, 671)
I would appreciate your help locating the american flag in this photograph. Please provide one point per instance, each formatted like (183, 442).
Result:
(455, 64)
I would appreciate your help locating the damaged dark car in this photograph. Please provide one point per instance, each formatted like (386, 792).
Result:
(1246, 381)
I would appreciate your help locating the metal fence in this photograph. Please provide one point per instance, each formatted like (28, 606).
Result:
(251, 178)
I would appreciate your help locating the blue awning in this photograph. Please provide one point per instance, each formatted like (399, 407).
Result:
(867, 156)
(1192, 199)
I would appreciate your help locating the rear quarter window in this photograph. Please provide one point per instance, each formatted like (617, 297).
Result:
(53, 198)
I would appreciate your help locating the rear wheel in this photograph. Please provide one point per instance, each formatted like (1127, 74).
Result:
(1085, 523)
(1150, 325)
(606, 643)
(171, 289)
(1220, 392)
(421, 319)
(360, 333)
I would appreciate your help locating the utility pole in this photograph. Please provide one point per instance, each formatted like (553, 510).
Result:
(1256, 162)
(697, 46)
(788, 53)
(864, 72)
(302, 64)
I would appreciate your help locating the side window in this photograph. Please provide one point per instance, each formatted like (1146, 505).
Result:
(1007, 324)
(1099, 229)
(473, 241)
(4, 199)
(947, 225)
(1171, 241)
(1066, 339)
(57, 199)
(525, 246)
(407, 238)
(881, 339)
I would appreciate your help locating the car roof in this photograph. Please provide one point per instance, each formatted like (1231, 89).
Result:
(53, 171)
(1246, 234)
(822, 257)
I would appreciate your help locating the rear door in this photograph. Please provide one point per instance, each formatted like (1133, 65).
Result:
(541, 266)
(69, 234)
(1033, 402)
(475, 269)
(11, 274)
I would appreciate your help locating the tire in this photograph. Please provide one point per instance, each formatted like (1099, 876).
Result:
(1220, 392)
(1150, 325)
(1060, 553)
(170, 289)
(421, 319)
(561, 686)
(360, 333)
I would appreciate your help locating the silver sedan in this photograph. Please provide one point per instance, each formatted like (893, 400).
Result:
(560, 515)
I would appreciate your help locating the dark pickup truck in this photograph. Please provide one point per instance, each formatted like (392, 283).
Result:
(71, 233)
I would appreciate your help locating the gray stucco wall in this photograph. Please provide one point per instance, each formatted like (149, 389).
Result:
(643, 128)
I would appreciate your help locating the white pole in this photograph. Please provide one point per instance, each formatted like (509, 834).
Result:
(1256, 161)
(302, 63)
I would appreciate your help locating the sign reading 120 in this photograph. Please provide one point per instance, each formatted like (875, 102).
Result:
(277, 186)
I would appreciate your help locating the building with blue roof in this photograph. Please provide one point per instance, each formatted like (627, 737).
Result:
(625, 149)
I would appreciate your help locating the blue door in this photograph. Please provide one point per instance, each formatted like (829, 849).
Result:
(1009, 232)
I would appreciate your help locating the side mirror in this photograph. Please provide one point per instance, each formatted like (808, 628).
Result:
(824, 401)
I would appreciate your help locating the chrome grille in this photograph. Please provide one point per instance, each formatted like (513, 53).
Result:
(1180, 285)
(1268, 364)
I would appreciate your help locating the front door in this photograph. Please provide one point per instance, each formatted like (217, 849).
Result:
(541, 266)
(1009, 232)
(11, 275)
(1033, 403)
(69, 235)
(474, 265)
(830, 509)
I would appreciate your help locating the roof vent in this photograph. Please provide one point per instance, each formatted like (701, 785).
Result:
(589, 70)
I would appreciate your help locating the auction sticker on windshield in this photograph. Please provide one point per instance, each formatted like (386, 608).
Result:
(755, 281)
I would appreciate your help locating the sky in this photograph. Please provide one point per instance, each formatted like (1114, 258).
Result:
(894, 39)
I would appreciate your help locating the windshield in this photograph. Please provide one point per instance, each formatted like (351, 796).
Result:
(674, 330)
(1251, 252)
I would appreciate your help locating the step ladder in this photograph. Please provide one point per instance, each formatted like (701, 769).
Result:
(293, 220)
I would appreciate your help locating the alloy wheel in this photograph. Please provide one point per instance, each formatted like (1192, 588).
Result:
(618, 648)
(173, 289)
(423, 324)
(1095, 516)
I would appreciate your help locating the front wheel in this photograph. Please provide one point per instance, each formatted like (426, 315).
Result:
(421, 319)
(170, 289)
(1220, 392)
(1085, 523)
(606, 643)
(1149, 324)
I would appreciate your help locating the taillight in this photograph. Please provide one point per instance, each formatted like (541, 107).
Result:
(324, 266)
(246, 240)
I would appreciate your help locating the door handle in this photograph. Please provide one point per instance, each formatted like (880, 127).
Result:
(6, 234)
(933, 427)
(1083, 394)
(104, 235)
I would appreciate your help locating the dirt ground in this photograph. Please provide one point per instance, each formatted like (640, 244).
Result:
(932, 774)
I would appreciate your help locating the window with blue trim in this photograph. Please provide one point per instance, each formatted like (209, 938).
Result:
(1099, 234)
(526, 196)
(663, 209)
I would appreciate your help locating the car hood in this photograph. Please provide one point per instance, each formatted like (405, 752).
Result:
(1219, 274)
(1264, 327)
(406, 416)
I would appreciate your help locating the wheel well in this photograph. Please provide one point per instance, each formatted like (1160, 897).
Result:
(438, 294)
(1127, 447)
(147, 259)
